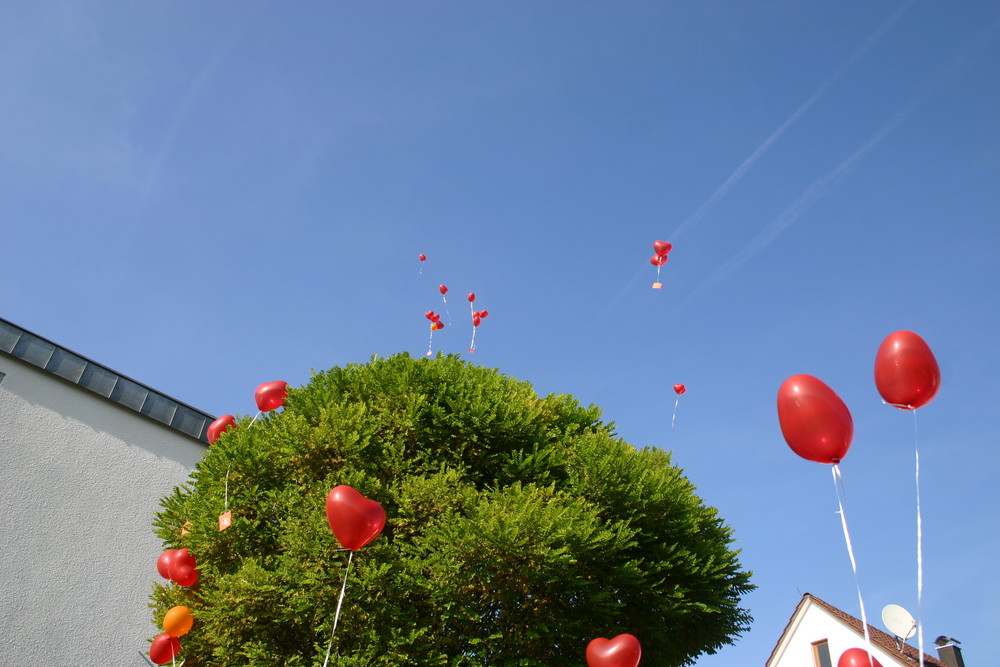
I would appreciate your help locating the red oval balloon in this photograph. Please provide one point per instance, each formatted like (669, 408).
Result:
(183, 568)
(906, 372)
(483, 314)
(475, 321)
(423, 257)
(354, 519)
(164, 648)
(658, 260)
(271, 395)
(438, 325)
(163, 562)
(443, 289)
(220, 426)
(679, 388)
(857, 657)
(622, 651)
(815, 422)
(472, 297)
(662, 247)
(429, 315)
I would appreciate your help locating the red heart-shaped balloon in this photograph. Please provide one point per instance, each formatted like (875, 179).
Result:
(857, 657)
(679, 389)
(815, 421)
(183, 570)
(163, 562)
(906, 373)
(658, 260)
(220, 426)
(662, 247)
(622, 651)
(354, 519)
(164, 648)
(271, 395)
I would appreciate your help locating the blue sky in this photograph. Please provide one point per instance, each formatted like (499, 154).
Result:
(210, 195)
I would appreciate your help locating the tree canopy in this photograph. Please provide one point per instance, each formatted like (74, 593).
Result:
(518, 528)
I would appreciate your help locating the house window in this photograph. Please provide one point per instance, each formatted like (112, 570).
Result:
(821, 653)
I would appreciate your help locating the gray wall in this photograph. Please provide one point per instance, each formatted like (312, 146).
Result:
(80, 480)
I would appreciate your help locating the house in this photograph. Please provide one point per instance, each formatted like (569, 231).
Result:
(86, 453)
(818, 633)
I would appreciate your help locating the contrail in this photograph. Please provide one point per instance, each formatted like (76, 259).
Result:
(741, 171)
(822, 186)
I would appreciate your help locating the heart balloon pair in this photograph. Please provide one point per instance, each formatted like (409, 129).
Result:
(622, 651)
(179, 566)
(815, 421)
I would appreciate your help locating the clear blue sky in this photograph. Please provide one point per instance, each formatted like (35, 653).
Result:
(210, 195)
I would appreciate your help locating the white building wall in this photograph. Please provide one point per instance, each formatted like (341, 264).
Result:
(816, 624)
(80, 480)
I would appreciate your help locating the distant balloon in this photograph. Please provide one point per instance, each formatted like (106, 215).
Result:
(658, 260)
(484, 314)
(662, 247)
(906, 373)
(815, 421)
(679, 389)
(271, 395)
(443, 289)
(423, 257)
(472, 297)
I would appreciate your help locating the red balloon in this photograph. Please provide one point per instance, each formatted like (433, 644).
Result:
(183, 568)
(475, 321)
(164, 648)
(430, 315)
(679, 388)
(658, 260)
(271, 395)
(662, 247)
(354, 519)
(220, 426)
(857, 657)
(443, 289)
(484, 314)
(622, 651)
(472, 297)
(423, 257)
(906, 372)
(815, 422)
(437, 325)
(163, 562)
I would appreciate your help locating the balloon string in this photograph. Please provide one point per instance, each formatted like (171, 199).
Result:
(472, 345)
(340, 601)
(920, 550)
(256, 416)
(838, 484)
(430, 342)
(226, 509)
(674, 418)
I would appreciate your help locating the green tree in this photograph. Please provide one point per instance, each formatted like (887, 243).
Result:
(518, 529)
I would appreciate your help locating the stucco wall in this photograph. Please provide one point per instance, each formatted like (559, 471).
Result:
(80, 480)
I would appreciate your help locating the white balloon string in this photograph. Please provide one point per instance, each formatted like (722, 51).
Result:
(838, 485)
(920, 548)
(340, 601)
(430, 342)
(227, 492)
(259, 413)
(447, 312)
(472, 345)
(674, 418)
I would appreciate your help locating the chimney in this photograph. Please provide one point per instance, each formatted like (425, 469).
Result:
(950, 654)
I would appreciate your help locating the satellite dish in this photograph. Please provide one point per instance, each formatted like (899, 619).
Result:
(899, 621)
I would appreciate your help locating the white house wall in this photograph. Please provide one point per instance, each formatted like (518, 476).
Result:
(80, 480)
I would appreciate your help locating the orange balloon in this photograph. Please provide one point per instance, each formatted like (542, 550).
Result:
(178, 621)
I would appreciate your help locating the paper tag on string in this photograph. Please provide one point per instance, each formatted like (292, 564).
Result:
(225, 520)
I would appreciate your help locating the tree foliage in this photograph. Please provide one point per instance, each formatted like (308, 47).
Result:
(519, 528)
